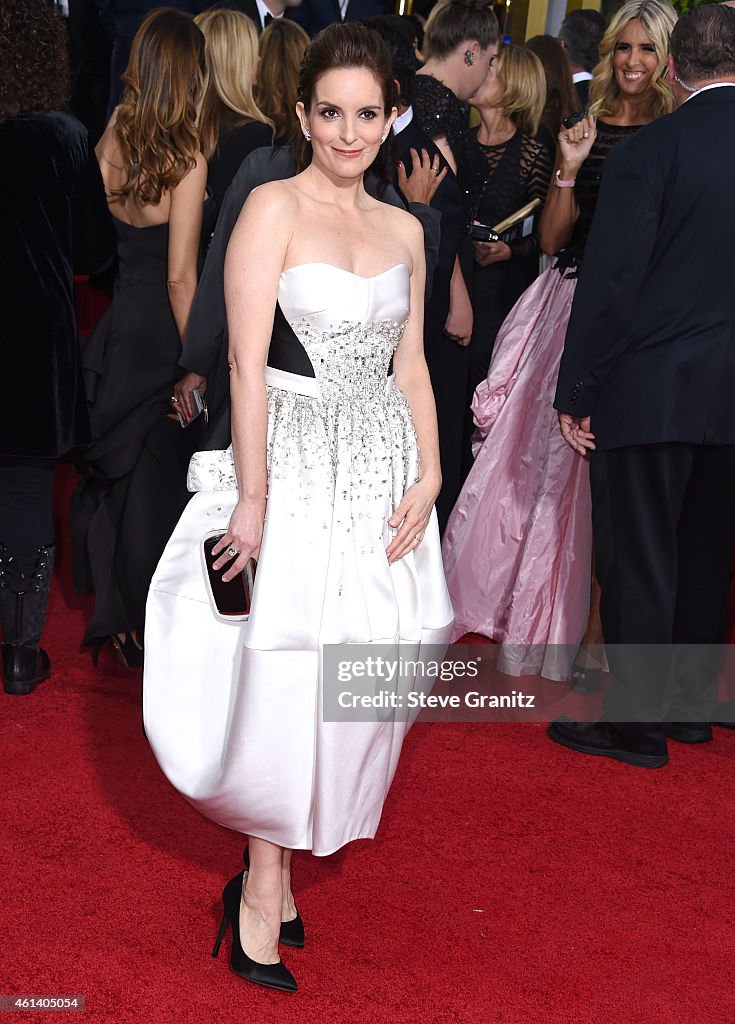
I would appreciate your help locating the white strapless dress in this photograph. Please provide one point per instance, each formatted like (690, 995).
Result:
(233, 711)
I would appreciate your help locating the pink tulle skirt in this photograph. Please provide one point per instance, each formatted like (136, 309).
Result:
(518, 545)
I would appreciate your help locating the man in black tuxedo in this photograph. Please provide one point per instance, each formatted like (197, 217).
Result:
(580, 34)
(315, 15)
(647, 380)
(205, 349)
(263, 12)
(448, 362)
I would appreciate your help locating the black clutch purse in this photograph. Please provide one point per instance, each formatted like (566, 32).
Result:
(232, 600)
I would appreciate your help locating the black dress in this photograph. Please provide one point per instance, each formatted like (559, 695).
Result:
(517, 171)
(133, 486)
(235, 142)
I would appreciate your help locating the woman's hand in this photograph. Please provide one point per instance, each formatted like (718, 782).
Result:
(491, 252)
(425, 178)
(575, 144)
(244, 535)
(412, 517)
(182, 394)
(460, 320)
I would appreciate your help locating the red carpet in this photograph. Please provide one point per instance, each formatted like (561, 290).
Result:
(512, 882)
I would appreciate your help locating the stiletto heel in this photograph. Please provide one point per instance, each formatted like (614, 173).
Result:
(292, 932)
(220, 935)
(271, 975)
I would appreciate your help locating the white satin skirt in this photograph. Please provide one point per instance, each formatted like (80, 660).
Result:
(233, 711)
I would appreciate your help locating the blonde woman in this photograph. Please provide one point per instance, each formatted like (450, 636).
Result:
(282, 47)
(518, 547)
(517, 168)
(154, 172)
(232, 124)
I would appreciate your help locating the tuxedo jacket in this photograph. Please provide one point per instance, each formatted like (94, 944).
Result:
(650, 348)
(448, 202)
(205, 347)
(250, 8)
(315, 15)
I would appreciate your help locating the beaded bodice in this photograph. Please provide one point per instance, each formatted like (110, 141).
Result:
(351, 339)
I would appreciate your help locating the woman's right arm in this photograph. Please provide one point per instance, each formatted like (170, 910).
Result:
(560, 210)
(254, 261)
(460, 319)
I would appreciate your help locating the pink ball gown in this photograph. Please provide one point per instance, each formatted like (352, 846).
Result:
(518, 545)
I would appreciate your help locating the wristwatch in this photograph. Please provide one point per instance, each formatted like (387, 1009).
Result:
(564, 182)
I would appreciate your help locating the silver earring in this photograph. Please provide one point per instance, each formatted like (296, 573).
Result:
(469, 58)
(382, 139)
(307, 135)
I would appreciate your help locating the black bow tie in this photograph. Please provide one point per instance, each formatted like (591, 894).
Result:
(267, 20)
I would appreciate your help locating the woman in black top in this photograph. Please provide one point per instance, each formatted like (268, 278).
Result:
(518, 545)
(232, 125)
(517, 165)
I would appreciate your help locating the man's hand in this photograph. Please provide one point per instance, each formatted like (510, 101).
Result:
(576, 432)
(182, 400)
(424, 180)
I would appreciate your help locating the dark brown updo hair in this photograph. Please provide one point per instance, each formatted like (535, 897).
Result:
(344, 45)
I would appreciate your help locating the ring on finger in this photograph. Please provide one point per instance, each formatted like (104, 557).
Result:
(232, 552)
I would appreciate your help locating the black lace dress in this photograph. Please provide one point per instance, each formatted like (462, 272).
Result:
(516, 171)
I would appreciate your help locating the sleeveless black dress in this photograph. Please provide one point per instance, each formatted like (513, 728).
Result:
(133, 484)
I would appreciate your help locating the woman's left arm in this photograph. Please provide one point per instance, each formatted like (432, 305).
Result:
(411, 517)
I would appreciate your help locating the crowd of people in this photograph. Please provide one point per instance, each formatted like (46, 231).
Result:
(401, 303)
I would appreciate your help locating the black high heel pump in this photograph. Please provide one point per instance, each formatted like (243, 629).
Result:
(292, 932)
(271, 975)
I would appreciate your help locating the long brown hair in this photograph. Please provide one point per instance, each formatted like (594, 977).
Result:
(156, 122)
(282, 48)
(561, 96)
(231, 52)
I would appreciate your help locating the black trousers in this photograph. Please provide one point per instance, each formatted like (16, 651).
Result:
(664, 522)
(26, 489)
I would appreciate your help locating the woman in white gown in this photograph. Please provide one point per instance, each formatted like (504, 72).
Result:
(331, 405)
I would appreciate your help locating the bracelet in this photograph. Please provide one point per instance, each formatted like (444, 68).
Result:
(564, 182)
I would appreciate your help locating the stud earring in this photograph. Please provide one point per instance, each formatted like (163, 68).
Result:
(382, 139)
(469, 58)
(307, 135)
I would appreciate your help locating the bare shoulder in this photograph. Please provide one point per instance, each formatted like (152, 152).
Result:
(272, 198)
(404, 226)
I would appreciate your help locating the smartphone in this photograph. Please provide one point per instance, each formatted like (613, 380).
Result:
(200, 407)
(483, 233)
(569, 122)
(232, 600)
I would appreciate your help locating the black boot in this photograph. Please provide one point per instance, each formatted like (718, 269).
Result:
(25, 581)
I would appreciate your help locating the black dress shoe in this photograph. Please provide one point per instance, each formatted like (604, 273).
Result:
(685, 732)
(292, 932)
(599, 738)
(270, 975)
(24, 668)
